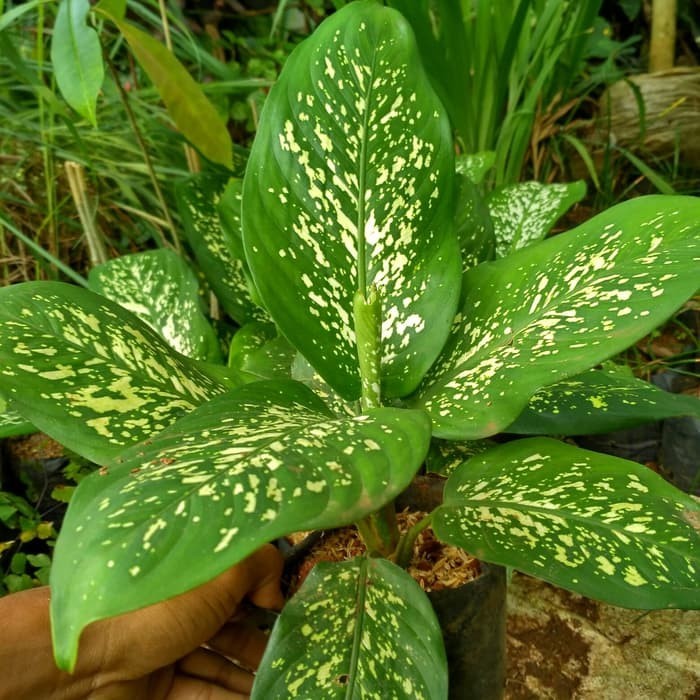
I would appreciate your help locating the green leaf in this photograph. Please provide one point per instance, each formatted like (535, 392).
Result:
(524, 213)
(445, 456)
(599, 402)
(14, 508)
(257, 352)
(559, 307)
(76, 56)
(9, 16)
(114, 8)
(215, 239)
(349, 184)
(89, 373)
(160, 288)
(598, 525)
(445, 52)
(356, 629)
(473, 224)
(12, 423)
(190, 109)
(474, 166)
(303, 372)
(239, 471)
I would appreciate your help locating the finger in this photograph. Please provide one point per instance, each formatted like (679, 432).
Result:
(264, 590)
(213, 668)
(186, 688)
(241, 642)
(147, 639)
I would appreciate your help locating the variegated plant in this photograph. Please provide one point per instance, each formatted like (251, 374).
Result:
(351, 245)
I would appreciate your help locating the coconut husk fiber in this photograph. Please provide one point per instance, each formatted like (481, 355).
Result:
(670, 120)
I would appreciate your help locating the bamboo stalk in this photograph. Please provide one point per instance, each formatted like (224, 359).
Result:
(662, 51)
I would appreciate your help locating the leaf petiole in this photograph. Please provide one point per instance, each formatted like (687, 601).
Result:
(405, 549)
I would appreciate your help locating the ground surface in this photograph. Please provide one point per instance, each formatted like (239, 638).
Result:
(562, 646)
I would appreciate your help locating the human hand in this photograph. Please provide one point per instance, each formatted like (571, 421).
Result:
(155, 653)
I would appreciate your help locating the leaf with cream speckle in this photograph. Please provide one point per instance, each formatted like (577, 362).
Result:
(349, 184)
(445, 456)
(601, 526)
(474, 166)
(215, 238)
(356, 629)
(599, 402)
(557, 308)
(524, 213)
(159, 287)
(239, 471)
(90, 373)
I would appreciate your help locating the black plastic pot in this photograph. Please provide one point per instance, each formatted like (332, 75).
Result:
(473, 622)
(472, 617)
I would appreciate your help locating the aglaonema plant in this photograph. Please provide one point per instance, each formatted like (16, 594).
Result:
(349, 236)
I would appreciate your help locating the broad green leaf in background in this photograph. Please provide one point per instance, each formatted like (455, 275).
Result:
(604, 527)
(525, 212)
(474, 166)
(12, 423)
(237, 472)
(89, 373)
(439, 28)
(559, 307)
(257, 352)
(76, 56)
(191, 111)
(356, 629)
(473, 224)
(160, 288)
(445, 456)
(303, 372)
(599, 402)
(215, 239)
(349, 184)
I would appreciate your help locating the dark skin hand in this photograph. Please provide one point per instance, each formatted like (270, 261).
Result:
(155, 653)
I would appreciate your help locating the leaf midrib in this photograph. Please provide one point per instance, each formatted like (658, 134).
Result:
(362, 182)
(213, 477)
(361, 594)
(75, 26)
(493, 349)
(645, 539)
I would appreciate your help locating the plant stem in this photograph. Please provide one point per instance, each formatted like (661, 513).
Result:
(46, 129)
(405, 549)
(378, 530)
(368, 316)
(166, 25)
(76, 181)
(147, 160)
